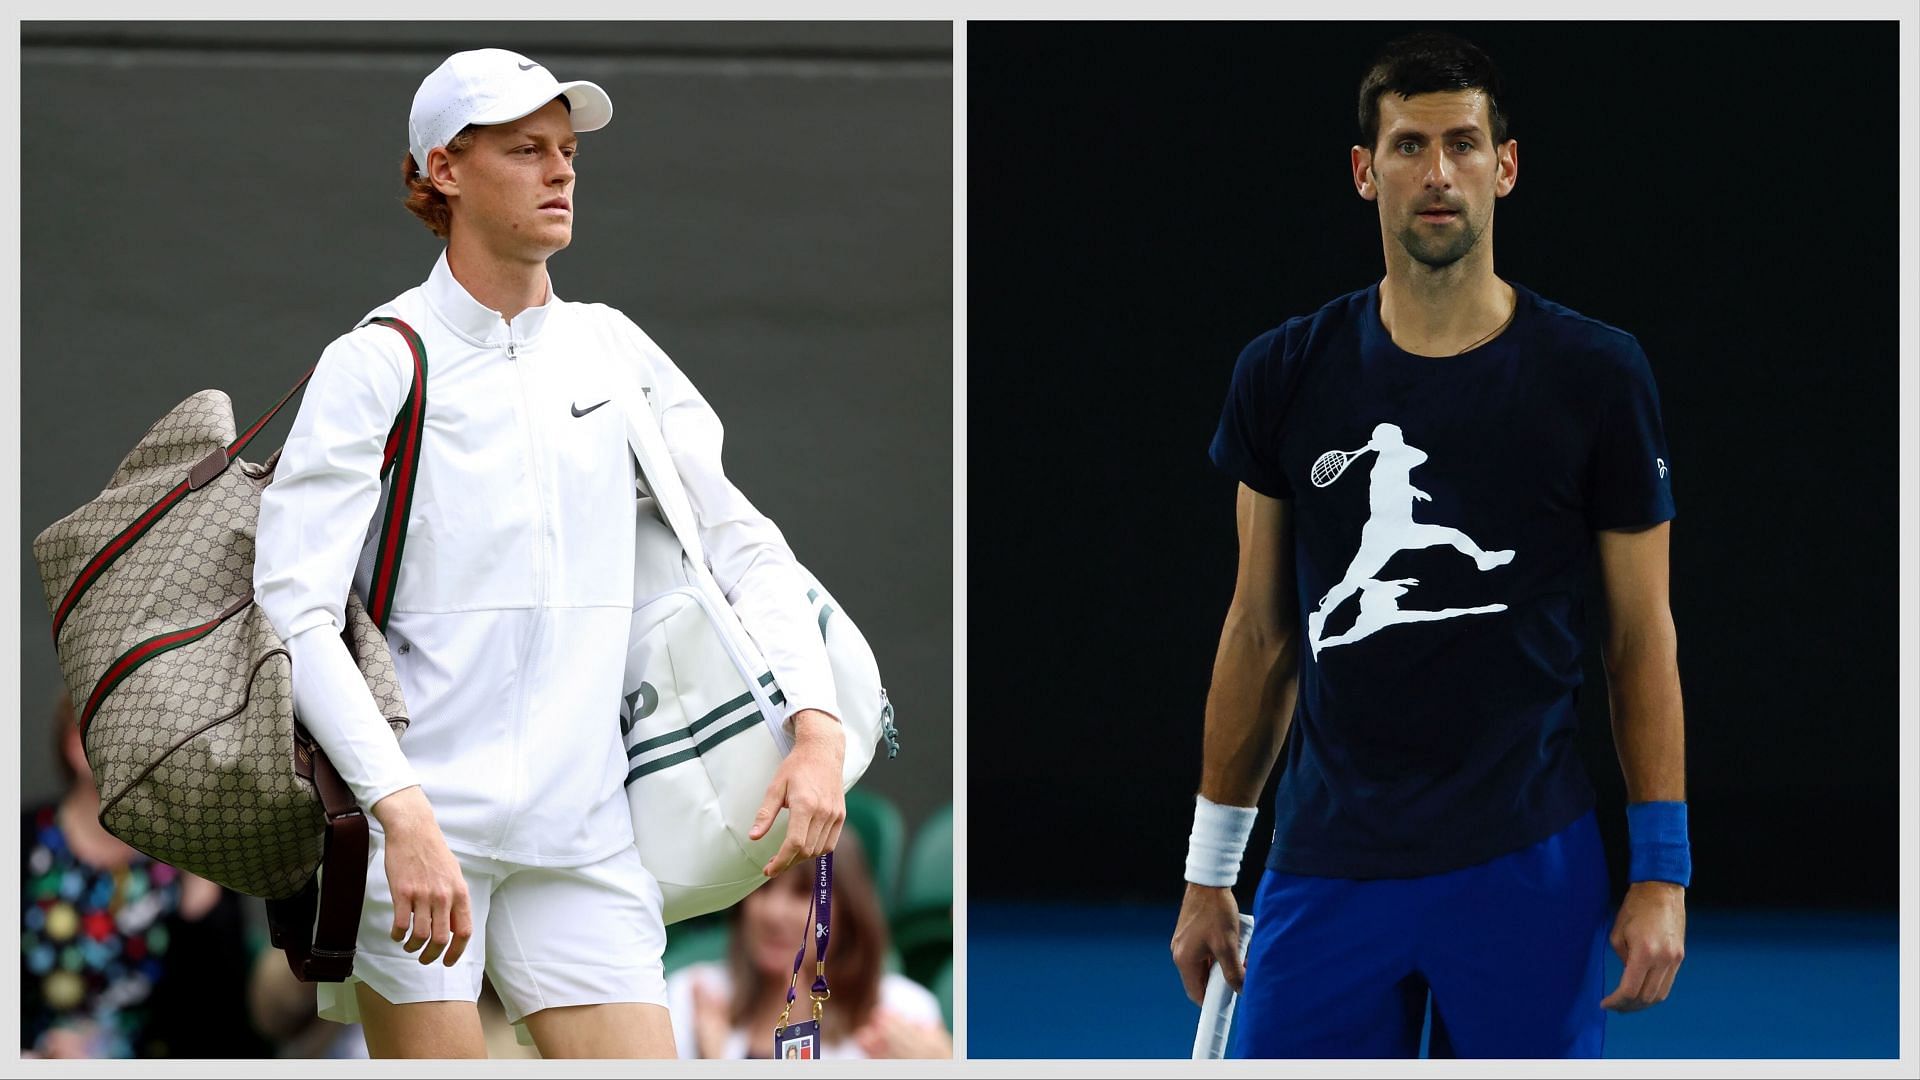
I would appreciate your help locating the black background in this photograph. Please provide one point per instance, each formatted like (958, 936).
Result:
(1145, 198)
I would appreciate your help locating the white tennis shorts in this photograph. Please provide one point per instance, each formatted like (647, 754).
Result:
(547, 936)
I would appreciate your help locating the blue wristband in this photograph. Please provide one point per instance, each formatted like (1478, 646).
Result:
(1657, 835)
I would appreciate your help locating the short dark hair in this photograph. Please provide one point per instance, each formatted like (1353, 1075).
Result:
(1425, 63)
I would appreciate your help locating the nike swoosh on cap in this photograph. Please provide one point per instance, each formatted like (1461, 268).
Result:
(578, 411)
(527, 67)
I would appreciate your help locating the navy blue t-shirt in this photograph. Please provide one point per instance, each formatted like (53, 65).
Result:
(1444, 511)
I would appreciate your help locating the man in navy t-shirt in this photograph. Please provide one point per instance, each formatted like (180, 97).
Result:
(1426, 467)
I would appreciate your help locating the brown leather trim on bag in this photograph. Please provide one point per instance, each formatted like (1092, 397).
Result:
(318, 926)
(326, 953)
(204, 471)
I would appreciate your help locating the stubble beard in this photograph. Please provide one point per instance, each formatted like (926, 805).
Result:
(1439, 251)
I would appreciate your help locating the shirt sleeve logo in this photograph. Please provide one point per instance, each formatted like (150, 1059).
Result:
(1661, 464)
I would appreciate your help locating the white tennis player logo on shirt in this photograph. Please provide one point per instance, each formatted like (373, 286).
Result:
(1390, 529)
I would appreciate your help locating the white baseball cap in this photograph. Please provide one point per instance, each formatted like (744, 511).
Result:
(493, 86)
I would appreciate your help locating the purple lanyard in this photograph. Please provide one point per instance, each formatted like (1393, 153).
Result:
(819, 918)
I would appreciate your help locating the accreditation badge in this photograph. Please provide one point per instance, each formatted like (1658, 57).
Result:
(801, 1041)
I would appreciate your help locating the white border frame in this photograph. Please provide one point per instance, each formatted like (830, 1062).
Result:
(1654, 10)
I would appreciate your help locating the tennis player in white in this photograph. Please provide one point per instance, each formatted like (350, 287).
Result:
(501, 834)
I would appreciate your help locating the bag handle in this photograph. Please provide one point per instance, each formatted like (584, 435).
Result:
(318, 926)
(197, 477)
(403, 443)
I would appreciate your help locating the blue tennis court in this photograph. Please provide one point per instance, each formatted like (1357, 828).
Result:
(1058, 981)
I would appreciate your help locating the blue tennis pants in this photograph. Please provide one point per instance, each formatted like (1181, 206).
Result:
(1512, 952)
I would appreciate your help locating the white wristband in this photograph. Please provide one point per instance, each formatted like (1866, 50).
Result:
(1218, 841)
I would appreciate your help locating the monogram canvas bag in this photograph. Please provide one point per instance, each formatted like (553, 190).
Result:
(183, 690)
(701, 712)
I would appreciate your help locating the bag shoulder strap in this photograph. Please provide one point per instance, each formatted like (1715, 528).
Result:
(402, 461)
(403, 449)
(317, 926)
(655, 462)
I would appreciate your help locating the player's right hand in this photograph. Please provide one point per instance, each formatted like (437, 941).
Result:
(431, 911)
(1208, 933)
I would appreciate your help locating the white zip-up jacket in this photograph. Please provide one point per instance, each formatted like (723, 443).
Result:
(510, 618)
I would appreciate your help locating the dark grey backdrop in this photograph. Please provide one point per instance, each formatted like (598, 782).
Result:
(209, 204)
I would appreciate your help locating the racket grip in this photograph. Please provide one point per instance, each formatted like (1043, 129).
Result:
(1216, 1008)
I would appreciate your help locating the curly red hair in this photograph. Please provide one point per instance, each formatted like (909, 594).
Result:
(423, 199)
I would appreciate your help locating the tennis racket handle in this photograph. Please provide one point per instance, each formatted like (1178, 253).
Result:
(1216, 1008)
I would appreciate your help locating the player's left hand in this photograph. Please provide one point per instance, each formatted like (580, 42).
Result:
(1650, 934)
(808, 785)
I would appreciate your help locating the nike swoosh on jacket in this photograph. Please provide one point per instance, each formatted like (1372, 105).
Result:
(510, 619)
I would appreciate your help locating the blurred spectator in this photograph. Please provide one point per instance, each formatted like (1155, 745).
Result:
(121, 956)
(730, 1009)
(284, 1010)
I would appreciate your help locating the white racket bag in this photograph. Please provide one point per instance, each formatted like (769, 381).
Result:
(700, 712)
